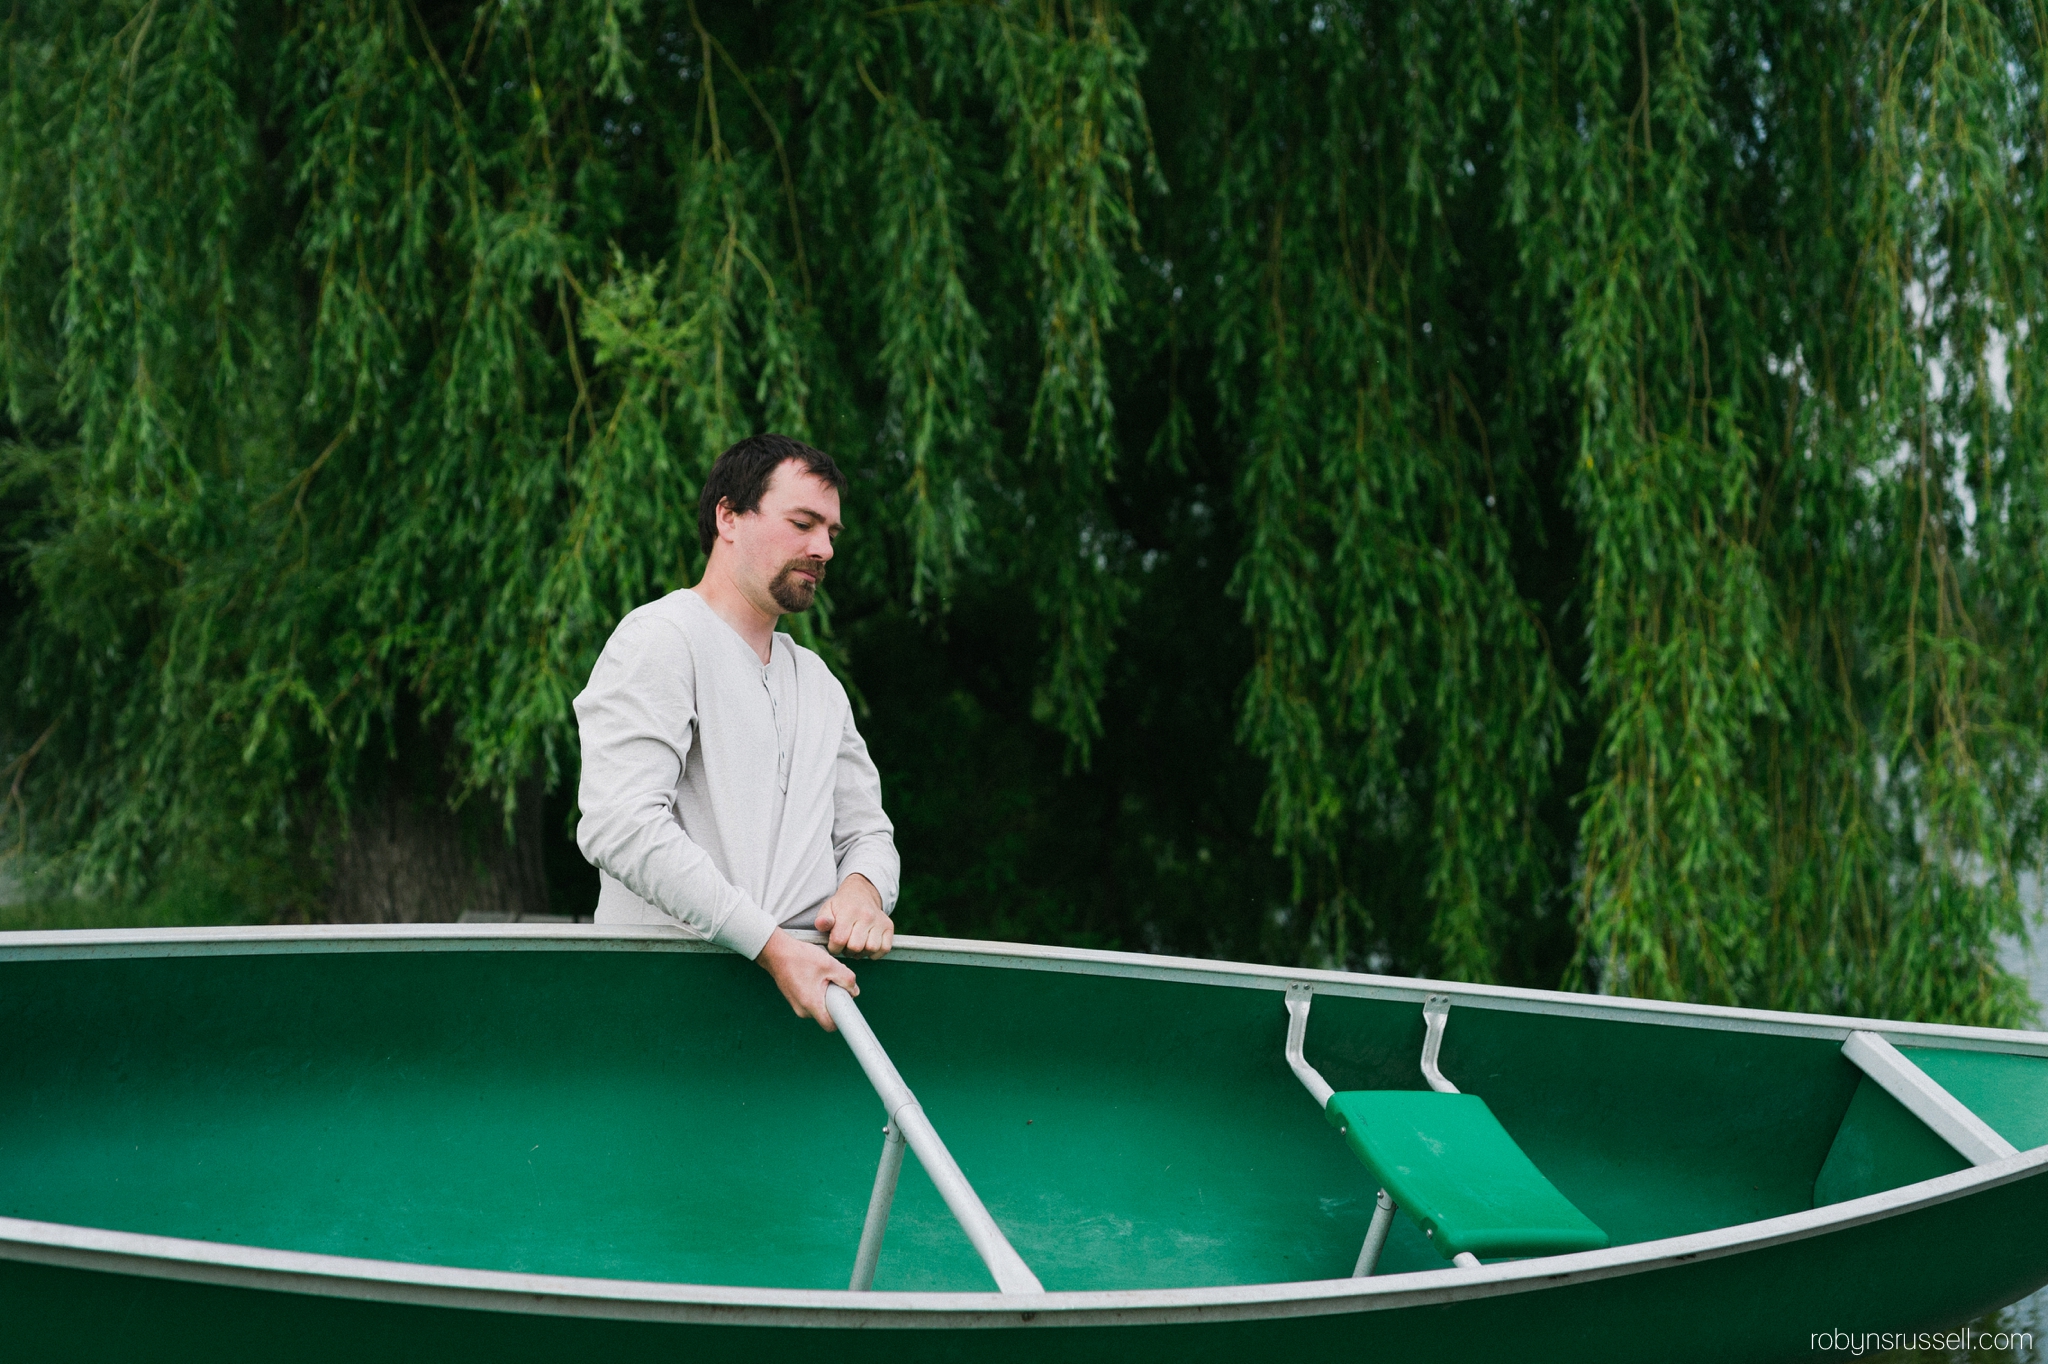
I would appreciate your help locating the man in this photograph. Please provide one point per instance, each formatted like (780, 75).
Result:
(724, 785)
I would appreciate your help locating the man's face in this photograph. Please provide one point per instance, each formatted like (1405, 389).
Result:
(780, 550)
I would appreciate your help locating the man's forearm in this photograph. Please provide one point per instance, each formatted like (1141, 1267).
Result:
(635, 724)
(657, 861)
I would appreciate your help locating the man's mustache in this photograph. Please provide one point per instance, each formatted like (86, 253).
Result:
(814, 567)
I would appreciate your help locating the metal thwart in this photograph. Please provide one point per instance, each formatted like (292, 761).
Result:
(1945, 1115)
(909, 1126)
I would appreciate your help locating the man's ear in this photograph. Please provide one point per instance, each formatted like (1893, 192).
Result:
(723, 516)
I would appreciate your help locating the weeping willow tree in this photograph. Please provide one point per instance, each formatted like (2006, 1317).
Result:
(1606, 445)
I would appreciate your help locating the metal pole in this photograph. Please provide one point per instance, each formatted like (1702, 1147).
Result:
(870, 1252)
(1012, 1275)
(1298, 996)
(1436, 1011)
(1375, 1236)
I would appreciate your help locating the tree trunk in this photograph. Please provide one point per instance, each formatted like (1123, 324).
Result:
(403, 859)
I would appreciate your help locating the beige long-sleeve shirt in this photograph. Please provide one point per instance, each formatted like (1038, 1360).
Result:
(717, 793)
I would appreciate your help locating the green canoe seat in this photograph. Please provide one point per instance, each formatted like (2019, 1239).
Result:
(1448, 1162)
(1443, 1157)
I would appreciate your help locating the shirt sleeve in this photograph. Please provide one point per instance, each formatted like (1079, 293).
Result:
(636, 719)
(863, 839)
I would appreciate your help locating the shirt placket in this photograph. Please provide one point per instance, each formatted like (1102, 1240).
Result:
(782, 743)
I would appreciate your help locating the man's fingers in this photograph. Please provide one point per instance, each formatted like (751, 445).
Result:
(875, 936)
(823, 923)
(832, 974)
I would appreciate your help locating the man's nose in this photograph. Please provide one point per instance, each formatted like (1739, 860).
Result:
(821, 544)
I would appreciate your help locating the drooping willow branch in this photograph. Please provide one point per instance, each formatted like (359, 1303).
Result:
(1624, 427)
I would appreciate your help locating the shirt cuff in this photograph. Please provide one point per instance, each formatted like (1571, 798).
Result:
(746, 930)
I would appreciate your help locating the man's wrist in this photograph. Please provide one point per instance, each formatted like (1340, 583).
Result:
(860, 885)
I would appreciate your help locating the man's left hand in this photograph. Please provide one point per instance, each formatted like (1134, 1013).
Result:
(854, 919)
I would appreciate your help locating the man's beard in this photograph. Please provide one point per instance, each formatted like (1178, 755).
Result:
(792, 593)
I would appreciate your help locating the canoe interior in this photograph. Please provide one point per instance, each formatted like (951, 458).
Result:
(658, 1114)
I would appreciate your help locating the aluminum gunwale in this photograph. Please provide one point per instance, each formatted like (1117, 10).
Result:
(254, 1267)
(289, 938)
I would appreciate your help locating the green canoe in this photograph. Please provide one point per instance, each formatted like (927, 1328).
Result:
(531, 1142)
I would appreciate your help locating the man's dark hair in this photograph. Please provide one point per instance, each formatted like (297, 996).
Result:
(741, 475)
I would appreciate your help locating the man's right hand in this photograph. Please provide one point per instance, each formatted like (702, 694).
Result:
(802, 972)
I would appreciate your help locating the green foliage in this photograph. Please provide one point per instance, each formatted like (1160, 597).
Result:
(1521, 493)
